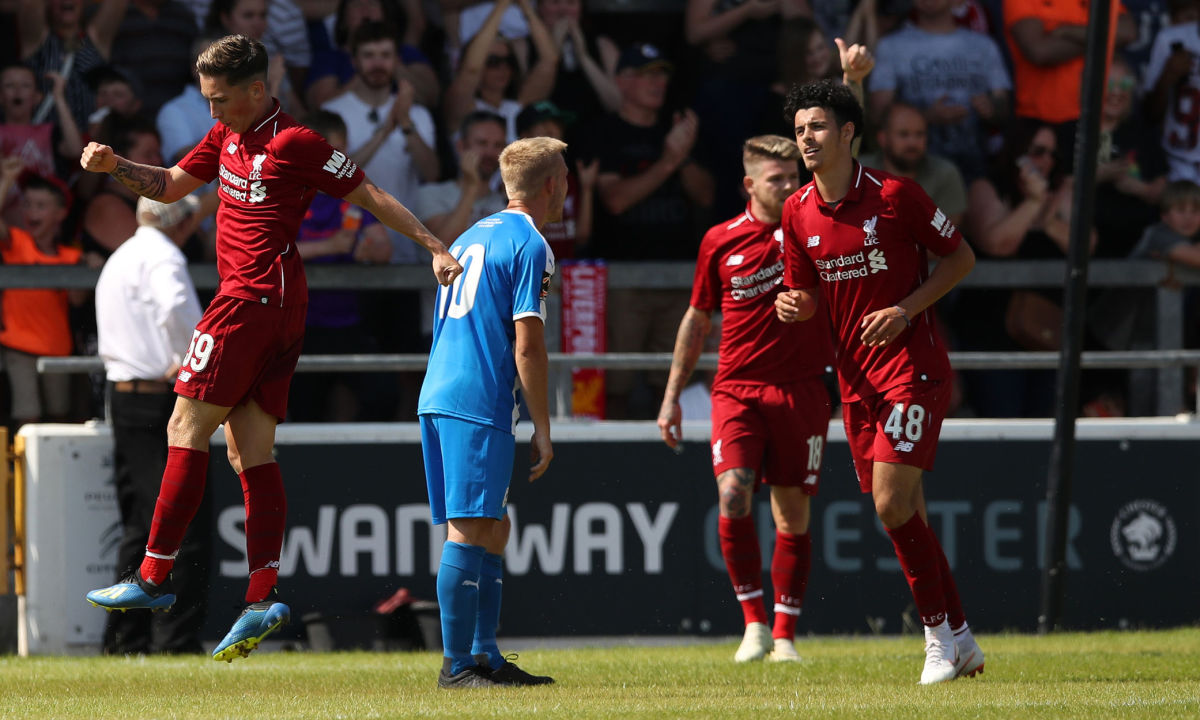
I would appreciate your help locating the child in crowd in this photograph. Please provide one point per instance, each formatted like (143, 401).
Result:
(35, 321)
(1124, 318)
(39, 143)
(334, 231)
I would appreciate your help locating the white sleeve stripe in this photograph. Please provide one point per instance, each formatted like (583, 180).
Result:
(538, 315)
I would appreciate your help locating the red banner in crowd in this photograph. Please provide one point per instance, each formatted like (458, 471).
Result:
(584, 289)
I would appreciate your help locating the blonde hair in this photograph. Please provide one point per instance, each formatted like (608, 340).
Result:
(768, 147)
(525, 165)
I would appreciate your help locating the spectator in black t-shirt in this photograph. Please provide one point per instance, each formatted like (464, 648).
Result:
(649, 190)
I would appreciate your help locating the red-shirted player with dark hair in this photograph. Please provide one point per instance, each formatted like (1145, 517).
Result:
(244, 349)
(856, 240)
(770, 408)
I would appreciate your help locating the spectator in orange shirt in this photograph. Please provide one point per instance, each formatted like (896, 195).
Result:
(1047, 40)
(35, 321)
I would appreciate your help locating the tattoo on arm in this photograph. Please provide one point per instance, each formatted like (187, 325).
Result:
(688, 345)
(145, 180)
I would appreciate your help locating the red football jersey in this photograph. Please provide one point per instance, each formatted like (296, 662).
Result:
(867, 254)
(739, 272)
(269, 175)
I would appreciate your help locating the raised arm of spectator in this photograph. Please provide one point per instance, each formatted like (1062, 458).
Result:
(539, 81)
(863, 28)
(689, 344)
(105, 23)
(32, 28)
(71, 141)
(585, 212)
(459, 100)
(700, 25)
(162, 184)
(600, 77)
(11, 167)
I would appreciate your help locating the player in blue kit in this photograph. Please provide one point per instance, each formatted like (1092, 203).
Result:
(488, 344)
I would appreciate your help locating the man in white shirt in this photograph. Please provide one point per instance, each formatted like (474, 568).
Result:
(391, 138)
(146, 310)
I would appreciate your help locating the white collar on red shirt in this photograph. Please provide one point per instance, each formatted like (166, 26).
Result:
(854, 194)
(272, 114)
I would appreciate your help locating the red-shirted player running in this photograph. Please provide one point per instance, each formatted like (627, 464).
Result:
(858, 239)
(770, 408)
(244, 350)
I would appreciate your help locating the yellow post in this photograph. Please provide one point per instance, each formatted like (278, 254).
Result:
(18, 534)
(5, 509)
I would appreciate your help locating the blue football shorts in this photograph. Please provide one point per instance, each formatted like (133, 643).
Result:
(468, 467)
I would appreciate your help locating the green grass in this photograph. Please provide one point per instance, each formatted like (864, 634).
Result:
(1093, 675)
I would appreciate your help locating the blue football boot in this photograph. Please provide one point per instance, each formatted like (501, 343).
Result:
(134, 593)
(257, 621)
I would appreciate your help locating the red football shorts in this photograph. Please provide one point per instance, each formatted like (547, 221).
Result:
(777, 431)
(900, 425)
(241, 351)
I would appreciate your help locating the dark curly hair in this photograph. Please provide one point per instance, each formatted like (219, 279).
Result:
(829, 95)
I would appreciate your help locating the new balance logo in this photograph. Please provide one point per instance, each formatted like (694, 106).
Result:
(810, 480)
(471, 583)
(232, 148)
(184, 376)
(813, 240)
(877, 261)
(716, 452)
(735, 260)
(904, 446)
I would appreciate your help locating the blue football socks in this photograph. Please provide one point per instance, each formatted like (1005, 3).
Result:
(491, 588)
(458, 598)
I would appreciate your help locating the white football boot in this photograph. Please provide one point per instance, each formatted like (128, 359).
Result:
(756, 643)
(784, 651)
(970, 656)
(941, 654)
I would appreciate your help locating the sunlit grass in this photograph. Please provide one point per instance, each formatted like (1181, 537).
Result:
(1093, 675)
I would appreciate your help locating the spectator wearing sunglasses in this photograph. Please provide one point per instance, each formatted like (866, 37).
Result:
(494, 76)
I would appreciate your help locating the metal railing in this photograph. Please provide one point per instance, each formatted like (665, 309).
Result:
(1169, 357)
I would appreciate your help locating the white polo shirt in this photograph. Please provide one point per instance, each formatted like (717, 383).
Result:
(146, 308)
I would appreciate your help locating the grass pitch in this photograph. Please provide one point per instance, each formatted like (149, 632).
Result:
(1094, 675)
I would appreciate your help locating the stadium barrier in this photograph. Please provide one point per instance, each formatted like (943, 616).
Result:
(620, 536)
(1164, 279)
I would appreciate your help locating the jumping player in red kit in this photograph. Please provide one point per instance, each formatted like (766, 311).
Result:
(244, 350)
(770, 408)
(856, 240)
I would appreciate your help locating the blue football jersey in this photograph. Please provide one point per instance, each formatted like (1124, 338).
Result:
(472, 372)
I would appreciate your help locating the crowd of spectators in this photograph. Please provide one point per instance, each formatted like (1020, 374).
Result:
(977, 100)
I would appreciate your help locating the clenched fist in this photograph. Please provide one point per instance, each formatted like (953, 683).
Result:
(98, 158)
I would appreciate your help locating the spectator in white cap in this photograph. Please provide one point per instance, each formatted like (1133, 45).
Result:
(146, 309)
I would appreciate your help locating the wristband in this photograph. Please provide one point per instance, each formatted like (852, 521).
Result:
(907, 322)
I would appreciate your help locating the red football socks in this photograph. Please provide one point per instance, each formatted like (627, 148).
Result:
(954, 608)
(266, 517)
(789, 577)
(743, 560)
(918, 554)
(178, 498)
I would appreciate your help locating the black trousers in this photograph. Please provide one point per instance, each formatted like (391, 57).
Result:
(139, 424)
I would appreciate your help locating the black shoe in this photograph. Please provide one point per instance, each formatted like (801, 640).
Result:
(510, 674)
(476, 676)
